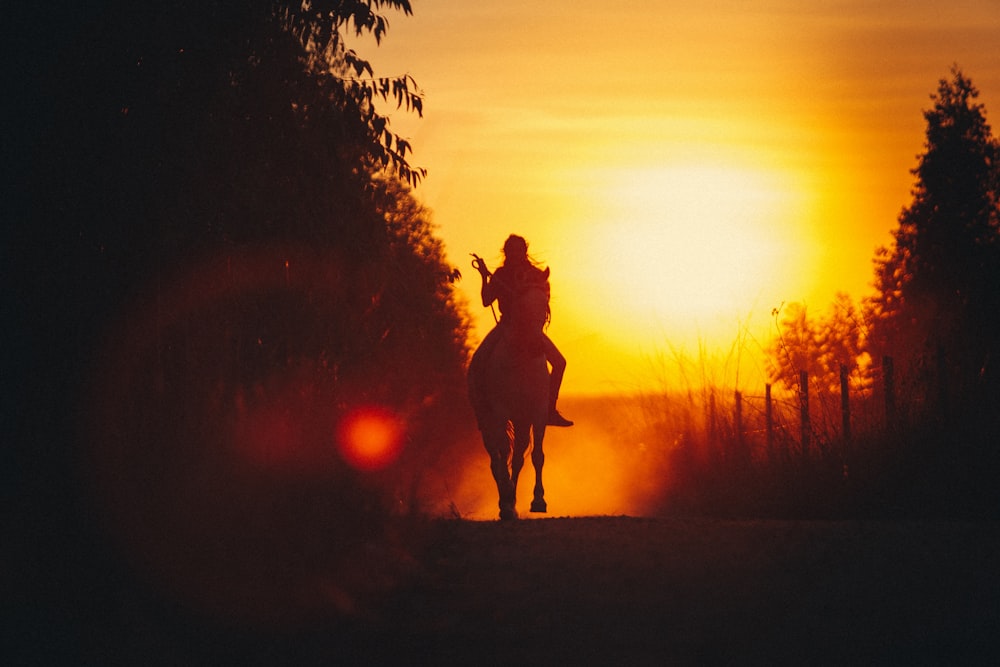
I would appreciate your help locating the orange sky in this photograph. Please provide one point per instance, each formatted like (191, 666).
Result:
(682, 167)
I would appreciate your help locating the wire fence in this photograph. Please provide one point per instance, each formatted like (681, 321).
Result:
(810, 420)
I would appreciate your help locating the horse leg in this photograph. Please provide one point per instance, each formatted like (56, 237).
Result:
(521, 436)
(498, 446)
(538, 503)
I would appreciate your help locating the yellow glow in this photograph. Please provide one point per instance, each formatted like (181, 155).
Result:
(685, 242)
(682, 168)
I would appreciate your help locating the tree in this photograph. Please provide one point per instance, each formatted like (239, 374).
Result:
(319, 26)
(187, 129)
(796, 347)
(819, 346)
(936, 288)
(216, 261)
(217, 172)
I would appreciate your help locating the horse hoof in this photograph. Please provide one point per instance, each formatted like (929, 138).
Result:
(507, 515)
(539, 506)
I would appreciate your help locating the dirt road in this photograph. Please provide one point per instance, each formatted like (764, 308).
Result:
(594, 591)
(619, 590)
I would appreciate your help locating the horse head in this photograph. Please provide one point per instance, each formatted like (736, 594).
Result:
(528, 314)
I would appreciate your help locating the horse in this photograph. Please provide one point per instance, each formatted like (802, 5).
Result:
(509, 391)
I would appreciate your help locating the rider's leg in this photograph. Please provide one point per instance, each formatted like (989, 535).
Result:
(558, 363)
(477, 394)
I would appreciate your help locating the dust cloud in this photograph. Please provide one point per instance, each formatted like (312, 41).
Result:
(613, 461)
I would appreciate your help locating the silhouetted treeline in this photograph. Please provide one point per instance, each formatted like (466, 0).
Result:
(936, 300)
(211, 255)
(938, 286)
(930, 332)
(180, 133)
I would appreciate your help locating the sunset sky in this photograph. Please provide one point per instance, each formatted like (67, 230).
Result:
(683, 168)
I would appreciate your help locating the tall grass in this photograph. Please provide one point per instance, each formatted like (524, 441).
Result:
(723, 461)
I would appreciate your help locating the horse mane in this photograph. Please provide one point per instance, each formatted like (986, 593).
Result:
(529, 309)
(530, 298)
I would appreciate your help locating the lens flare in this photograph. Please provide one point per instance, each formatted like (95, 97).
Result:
(370, 438)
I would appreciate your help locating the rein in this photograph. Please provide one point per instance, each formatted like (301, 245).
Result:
(480, 265)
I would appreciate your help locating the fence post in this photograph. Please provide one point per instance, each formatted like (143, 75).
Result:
(738, 419)
(769, 422)
(804, 411)
(888, 383)
(845, 404)
(713, 440)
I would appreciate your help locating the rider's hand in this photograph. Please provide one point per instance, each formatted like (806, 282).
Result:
(480, 265)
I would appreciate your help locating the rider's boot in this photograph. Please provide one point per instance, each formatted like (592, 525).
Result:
(556, 419)
(555, 381)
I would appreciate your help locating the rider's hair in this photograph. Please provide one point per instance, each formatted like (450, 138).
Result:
(515, 245)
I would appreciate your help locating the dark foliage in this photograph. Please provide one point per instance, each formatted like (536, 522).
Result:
(190, 136)
(921, 361)
(936, 309)
(215, 255)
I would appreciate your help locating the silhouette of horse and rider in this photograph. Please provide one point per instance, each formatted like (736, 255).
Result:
(511, 389)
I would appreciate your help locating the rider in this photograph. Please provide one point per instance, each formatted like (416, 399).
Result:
(517, 272)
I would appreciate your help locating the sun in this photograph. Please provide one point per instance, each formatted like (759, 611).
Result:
(679, 247)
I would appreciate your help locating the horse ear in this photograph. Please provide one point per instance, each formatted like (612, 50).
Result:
(546, 272)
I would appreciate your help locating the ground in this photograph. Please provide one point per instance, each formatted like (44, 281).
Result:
(599, 590)
(619, 590)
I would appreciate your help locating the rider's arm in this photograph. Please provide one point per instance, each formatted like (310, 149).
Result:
(490, 291)
(492, 286)
(487, 292)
